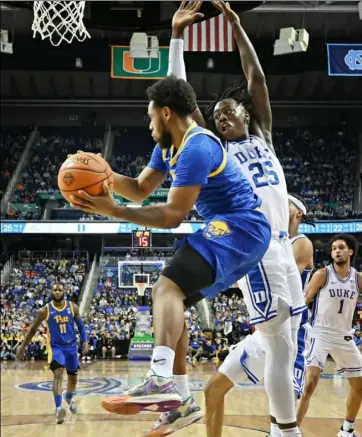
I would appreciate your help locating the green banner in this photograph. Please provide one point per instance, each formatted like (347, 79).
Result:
(23, 207)
(159, 194)
(55, 196)
(123, 66)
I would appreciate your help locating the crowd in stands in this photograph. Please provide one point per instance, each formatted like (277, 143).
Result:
(318, 163)
(27, 290)
(112, 309)
(111, 318)
(11, 144)
(49, 152)
(231, 316)
(320, 167)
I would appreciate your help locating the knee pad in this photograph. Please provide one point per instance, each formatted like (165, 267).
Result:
(72, 373)
(54, 365)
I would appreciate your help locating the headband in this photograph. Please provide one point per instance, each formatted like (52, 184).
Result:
(298, 204)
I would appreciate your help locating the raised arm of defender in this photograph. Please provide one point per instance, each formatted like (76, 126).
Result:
(254, 74)
(187, 14)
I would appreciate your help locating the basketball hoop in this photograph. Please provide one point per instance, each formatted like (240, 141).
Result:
(59, 21)
(141, 287)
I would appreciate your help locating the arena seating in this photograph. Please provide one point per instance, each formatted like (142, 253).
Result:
(113, 311)
(231, 317)
(39, 178)
(49, 152)
(317, 165)
(12, 141)
(325, 182)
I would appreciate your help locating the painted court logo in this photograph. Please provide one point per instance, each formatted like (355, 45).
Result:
(113, 387)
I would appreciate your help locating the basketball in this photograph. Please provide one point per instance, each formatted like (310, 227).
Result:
(84, 171)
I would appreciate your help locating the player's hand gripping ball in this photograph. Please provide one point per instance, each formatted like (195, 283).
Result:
(84, 172)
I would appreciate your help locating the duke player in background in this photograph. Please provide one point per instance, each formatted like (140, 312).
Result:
(247, 359)
(60, 316)
(335, 291)
(242, 118)
(303, 254)
(234, 240)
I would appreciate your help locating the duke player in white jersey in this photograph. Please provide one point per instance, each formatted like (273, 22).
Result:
(303, 254)
(243, 119)
(247, 359)
(335, 289)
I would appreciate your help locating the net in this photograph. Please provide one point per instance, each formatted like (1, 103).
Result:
(141, 287)
(59, 21)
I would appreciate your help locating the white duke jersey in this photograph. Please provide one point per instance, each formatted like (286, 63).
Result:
(305, 275)
(264, 172)
(334, 306)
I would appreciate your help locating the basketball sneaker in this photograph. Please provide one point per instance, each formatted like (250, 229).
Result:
(348, 433)
(172, 421)
(60, 414)
(155, 394)
(71, 403)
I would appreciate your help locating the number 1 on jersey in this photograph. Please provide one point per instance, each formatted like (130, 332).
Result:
(63, 328)
(341, 307)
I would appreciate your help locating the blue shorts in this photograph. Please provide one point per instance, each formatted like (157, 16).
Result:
(300, 365)
(232, 244)
(65, 355)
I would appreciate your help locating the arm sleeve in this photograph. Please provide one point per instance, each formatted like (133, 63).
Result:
(194, 163)
(176, 63)
(156, 161)
(81, 328)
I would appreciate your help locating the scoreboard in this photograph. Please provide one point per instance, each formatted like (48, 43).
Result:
(141, 239)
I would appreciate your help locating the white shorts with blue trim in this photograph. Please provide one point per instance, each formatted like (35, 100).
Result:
(245, 361)
(344, 352)
(275, 277)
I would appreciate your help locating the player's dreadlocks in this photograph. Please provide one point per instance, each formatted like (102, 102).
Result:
(238, 92)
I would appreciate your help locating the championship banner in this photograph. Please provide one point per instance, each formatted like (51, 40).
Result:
(123, 66)
(344, 59)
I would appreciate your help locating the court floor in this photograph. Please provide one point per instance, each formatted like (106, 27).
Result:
(27, 408)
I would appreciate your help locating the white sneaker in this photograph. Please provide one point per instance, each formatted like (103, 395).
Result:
(348, 433)
(71, 404)
(168, 423)
(60, 414)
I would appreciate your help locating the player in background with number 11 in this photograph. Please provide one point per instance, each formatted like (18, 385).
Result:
(60, 316)
(335, 291)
